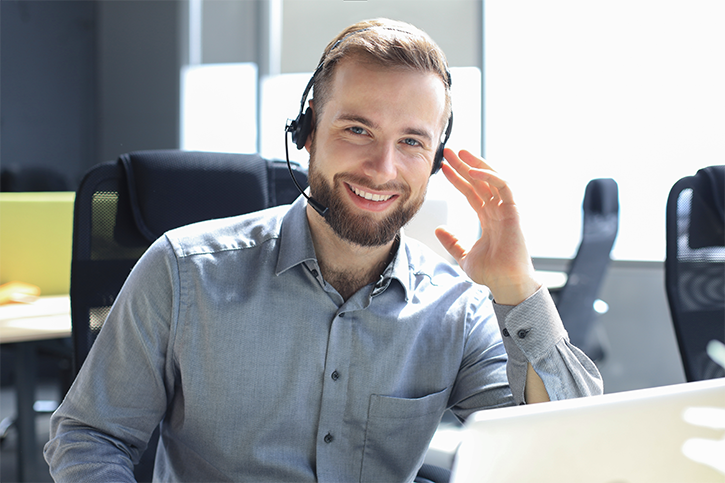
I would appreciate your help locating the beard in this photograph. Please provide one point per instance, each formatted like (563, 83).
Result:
(360, 228)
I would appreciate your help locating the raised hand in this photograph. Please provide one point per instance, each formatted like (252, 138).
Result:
(499, 259)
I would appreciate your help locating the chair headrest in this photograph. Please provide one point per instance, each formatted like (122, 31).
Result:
(707, 214)
(601, 197)
(171, 188)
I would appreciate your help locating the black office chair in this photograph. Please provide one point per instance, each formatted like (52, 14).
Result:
(575, 300)
(432, 474)
(122, 206)
(695, 268)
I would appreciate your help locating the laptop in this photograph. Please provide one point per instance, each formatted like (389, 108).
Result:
(36, 237)
(665, 434)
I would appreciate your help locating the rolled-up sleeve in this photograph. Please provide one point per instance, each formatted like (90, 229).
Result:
(533, 333)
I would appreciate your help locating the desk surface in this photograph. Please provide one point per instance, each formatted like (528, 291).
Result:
(46, 318)
(550, 279)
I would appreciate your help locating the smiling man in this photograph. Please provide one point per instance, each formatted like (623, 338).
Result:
(316, 342)
(371, 153)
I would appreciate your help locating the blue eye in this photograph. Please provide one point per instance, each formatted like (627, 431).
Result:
(411, 142)
(357, 130)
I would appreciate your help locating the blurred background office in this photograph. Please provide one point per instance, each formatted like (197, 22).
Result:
(553, 93)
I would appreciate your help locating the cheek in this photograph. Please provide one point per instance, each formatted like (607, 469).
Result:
(418, 179)
(415, 190)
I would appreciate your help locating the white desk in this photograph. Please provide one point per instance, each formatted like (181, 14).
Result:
(46, 318)
(550, 279)
(25, 325)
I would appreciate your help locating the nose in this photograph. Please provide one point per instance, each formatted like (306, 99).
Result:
(380, 166)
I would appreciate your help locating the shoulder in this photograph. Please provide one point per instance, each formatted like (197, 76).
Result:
(225, 234)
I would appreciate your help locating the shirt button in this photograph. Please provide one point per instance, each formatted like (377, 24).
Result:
(522, 333)
(506, 333)
(328, 438)
(335, 375)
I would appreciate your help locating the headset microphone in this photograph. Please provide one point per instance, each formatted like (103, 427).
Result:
(322, 210)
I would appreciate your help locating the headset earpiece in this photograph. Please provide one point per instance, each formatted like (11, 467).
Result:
(438, 160)
(300, 128)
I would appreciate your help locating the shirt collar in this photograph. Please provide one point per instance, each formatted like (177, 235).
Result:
(295, 239)
(399, 269)
(296, 247)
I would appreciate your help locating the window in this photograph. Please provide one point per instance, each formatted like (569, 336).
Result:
(631, 90)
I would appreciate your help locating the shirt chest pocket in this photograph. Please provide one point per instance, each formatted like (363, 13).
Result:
(397, 434)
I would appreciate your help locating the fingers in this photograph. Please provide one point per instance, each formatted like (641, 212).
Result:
(474, 171)
(464, 186)
(450, 243)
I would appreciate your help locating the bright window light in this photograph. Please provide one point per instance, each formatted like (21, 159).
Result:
(280, 101)
(627, 89)
(219, 108)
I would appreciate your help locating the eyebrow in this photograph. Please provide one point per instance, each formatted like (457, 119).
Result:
(369, 123)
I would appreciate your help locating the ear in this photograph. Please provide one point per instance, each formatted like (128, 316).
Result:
(311, 111)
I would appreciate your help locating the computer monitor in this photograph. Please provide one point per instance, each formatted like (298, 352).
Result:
(666, 434)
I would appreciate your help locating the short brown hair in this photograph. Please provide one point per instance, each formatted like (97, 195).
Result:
(385, 42)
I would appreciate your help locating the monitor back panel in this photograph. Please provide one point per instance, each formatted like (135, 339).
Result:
(666, 434)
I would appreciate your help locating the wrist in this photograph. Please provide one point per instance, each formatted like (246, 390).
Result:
(513, 293)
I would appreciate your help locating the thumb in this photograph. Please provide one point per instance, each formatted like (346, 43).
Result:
(450, 242)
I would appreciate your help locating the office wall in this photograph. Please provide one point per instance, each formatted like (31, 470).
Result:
(47, 88)
(83, 81)
(230, 31)
(139, 56)
(308, 25)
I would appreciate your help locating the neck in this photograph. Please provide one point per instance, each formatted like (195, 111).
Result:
(344, 265)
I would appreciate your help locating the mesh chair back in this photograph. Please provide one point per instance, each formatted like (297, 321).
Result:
(586, 272)
(695, 268)
(123, 206)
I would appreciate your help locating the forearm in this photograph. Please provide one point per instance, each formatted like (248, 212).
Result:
(77, 453)
(535, 390)
(540, 354)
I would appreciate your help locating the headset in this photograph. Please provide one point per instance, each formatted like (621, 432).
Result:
(300, 128)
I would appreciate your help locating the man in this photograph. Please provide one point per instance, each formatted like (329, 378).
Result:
(315, 341)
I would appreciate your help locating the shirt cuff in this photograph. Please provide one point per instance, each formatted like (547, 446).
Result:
(529, 331)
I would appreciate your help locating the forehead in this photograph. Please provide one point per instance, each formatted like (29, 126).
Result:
(382, 90)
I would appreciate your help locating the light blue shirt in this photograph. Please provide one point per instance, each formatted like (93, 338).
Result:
(259, 371)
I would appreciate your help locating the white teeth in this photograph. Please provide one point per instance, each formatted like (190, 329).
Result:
(370, 196)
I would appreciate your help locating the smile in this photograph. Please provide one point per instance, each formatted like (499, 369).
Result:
(369, 196)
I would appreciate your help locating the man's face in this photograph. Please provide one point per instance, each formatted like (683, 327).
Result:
(372, 150)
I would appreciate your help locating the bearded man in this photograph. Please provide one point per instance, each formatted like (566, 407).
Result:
(315, 341)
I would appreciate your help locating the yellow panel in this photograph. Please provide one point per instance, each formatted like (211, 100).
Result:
(36, 237)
